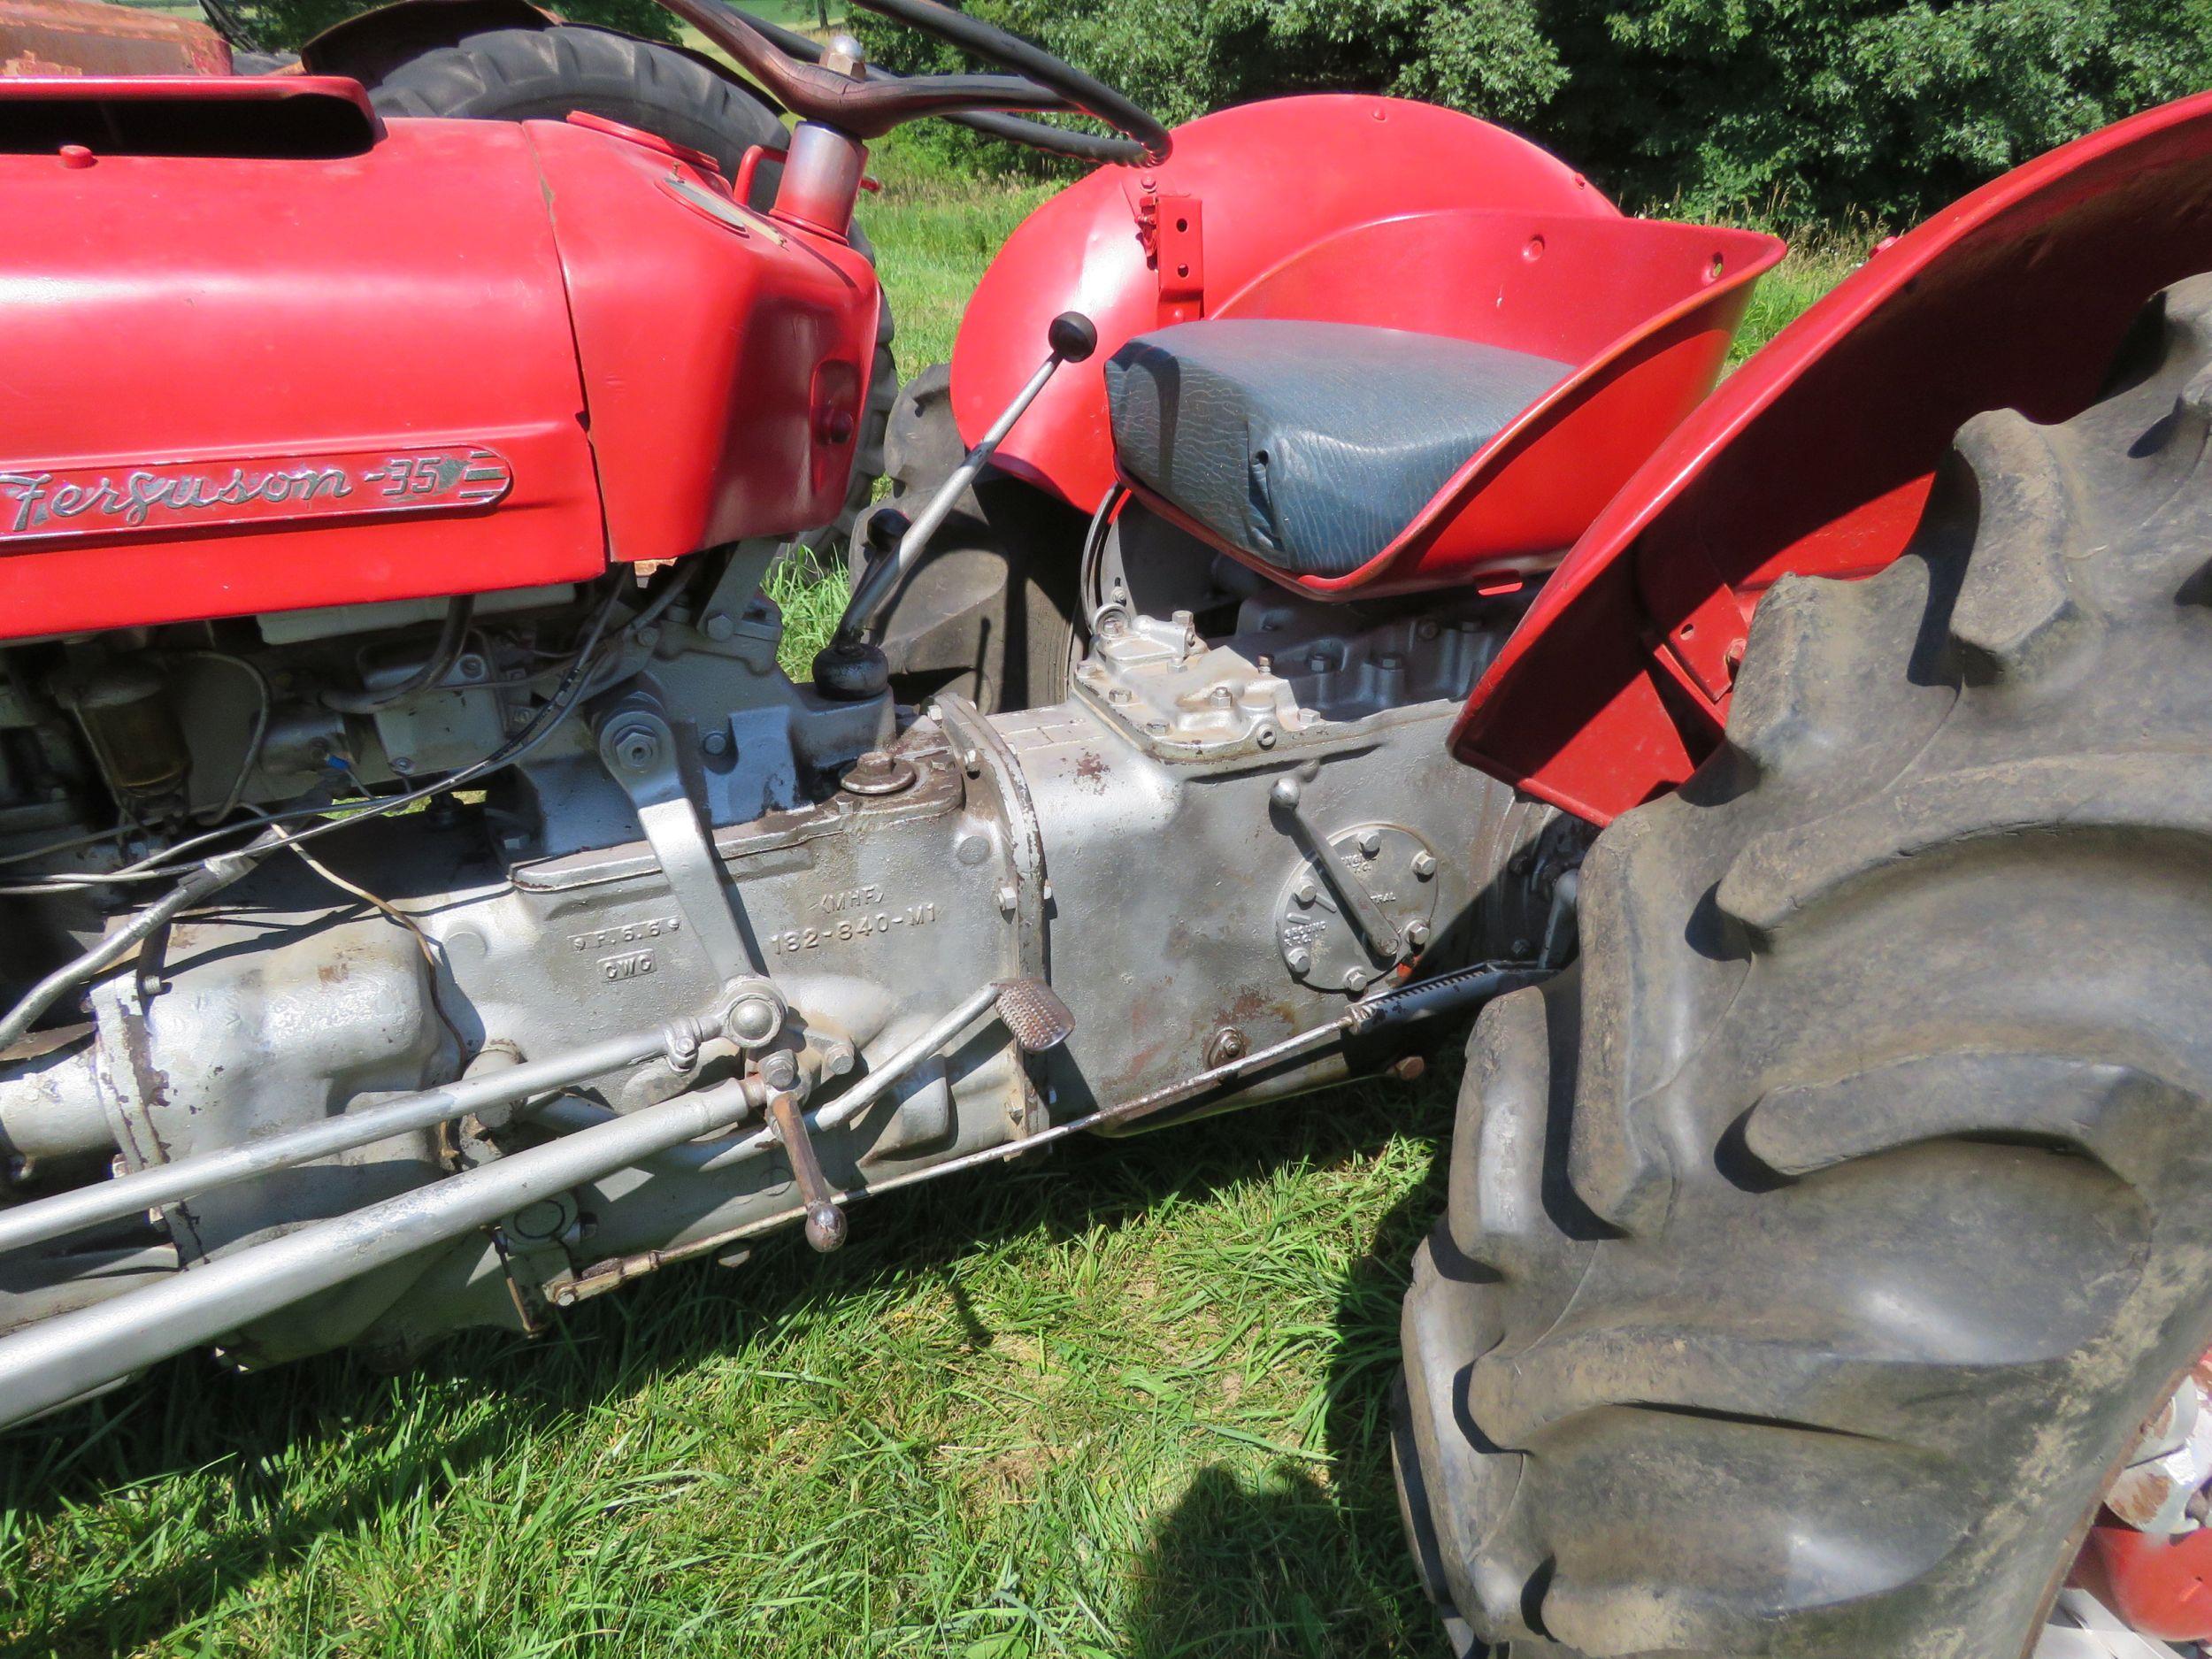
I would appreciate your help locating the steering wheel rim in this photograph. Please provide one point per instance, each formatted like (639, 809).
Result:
(1082, 94)
(867, 104)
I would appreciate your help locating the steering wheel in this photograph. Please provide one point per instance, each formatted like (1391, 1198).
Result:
(868, 102)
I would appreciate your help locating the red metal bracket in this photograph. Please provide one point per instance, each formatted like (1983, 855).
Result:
(1172, 232)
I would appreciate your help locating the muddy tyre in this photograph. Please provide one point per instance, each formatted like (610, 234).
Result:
(1818, 1247)
(544, 74)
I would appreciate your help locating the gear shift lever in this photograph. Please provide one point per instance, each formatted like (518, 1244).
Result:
(850, 666)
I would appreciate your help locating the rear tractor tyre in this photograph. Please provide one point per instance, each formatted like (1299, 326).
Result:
(990, 612)
(525, 74)
(1820, 1244)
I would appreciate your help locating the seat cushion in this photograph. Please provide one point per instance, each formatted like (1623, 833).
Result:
(1309, 446)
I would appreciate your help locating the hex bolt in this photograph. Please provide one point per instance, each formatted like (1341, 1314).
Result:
(718, 627)
(1300, 960)
(1416, 934)
(837, 1059)
(1370, 842)
(1355, 979)
(1222, 695)
(1425, 864)
(1008, 899)
(1304, 892)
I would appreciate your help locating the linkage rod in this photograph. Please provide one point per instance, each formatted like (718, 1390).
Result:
(159, 1184)
(54, 1360)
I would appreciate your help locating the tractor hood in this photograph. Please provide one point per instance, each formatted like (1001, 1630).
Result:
(266, 353)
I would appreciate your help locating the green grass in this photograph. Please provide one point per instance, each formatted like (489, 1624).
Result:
(1127, 1400)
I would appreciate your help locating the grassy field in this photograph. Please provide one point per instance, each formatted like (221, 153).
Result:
(1130, 1400)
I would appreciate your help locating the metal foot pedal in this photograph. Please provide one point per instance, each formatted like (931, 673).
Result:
(1033, 1014)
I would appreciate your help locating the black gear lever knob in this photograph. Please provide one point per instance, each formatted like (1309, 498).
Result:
(887, 528)
(1073, 336)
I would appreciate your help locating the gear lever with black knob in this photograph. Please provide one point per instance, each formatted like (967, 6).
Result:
(852, 667)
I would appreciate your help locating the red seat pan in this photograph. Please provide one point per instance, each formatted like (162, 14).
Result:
(1645, 309)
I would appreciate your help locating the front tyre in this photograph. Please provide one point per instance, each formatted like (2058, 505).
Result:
(1819, 1245)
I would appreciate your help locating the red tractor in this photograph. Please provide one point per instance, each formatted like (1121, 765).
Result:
(426, 903)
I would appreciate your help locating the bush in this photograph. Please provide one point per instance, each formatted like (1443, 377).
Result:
(282, 25)
(1888, 107)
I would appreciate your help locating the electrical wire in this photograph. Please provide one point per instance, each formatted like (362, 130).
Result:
(567, 694)
(211, 875)
(452, 636)
(254, 740)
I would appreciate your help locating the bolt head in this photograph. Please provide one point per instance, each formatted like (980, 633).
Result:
(1304, 892)
(1416, 934)
(1300, 960)
(1008, 899)
(1425, 864)
(718, 627)
(1370, 842)
(1354, 979)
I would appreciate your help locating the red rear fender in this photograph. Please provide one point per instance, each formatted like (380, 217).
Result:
(1817, 455)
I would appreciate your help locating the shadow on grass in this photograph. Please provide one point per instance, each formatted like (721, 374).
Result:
(1296, 1562)
(327, 1445)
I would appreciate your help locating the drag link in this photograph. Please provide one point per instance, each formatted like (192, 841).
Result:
(59, 1358)
(47, 1218)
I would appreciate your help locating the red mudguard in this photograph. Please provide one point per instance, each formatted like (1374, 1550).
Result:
(1817, 455)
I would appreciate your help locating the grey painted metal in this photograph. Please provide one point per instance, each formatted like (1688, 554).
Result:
(1130, 828)
(1345, 880)
(640, 748)
(55, 1361)
(65, 1213)
(883, 578)
(203, 880)
(50, 1107)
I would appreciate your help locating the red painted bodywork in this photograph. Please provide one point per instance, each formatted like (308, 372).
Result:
(1817, 455)
(1268, 181)
(1397, 215)
(658, 378)
(2163, 1587)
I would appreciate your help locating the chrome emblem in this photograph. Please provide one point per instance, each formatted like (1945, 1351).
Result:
(39, 504)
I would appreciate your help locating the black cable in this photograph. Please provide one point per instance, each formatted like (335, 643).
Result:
(451, 637)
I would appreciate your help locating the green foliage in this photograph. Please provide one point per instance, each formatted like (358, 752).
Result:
(1825, 104)
(282, 25)
(1810, 106)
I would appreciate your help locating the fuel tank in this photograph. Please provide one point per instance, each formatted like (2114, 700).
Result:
(263, 352)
